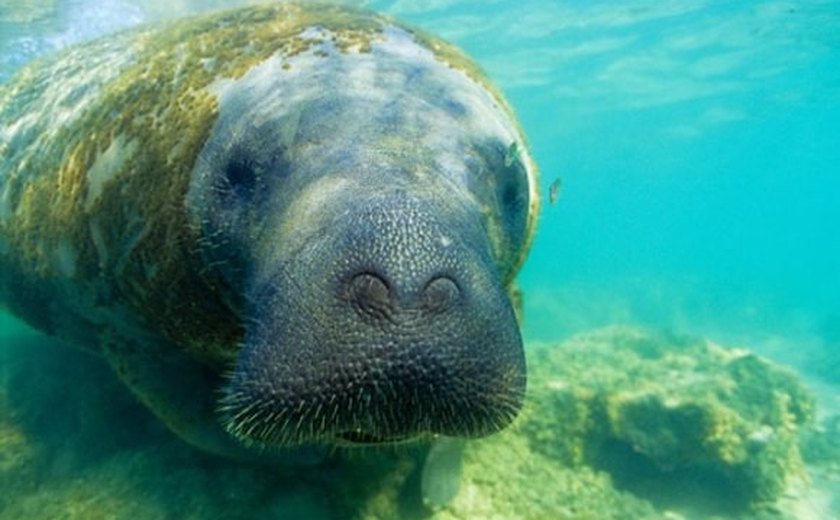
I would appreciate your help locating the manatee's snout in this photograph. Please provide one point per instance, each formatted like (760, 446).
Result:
(392, 323)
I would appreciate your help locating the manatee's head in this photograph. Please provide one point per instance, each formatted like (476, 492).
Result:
(374, 238)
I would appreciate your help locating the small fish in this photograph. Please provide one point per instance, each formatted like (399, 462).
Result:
(512, 154)
(555, 190)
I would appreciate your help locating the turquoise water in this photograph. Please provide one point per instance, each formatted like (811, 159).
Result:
(697, 145)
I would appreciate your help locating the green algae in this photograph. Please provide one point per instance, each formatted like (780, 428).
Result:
(504, 478)
(679, 407)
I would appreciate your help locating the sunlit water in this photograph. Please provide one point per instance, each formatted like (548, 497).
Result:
(696, 143)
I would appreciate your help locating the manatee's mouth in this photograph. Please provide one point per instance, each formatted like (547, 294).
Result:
(367, 439)
(379, 392)
(418, 395)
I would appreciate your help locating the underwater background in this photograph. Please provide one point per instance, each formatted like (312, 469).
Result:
(692, 152)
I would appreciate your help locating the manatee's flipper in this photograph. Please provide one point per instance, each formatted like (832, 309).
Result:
(177, 390)
(182, 394)
(441, 477)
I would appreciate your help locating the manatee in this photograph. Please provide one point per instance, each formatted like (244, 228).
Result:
(283, 226)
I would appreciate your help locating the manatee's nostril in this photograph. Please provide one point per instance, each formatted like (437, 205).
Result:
(370, 293)
(440, 293)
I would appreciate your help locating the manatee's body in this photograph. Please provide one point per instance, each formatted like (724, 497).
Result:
(280, 226)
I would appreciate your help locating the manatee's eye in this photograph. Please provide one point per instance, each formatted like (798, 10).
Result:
(512, 184)
(239, 176)
(512, 193)
(499, 181)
